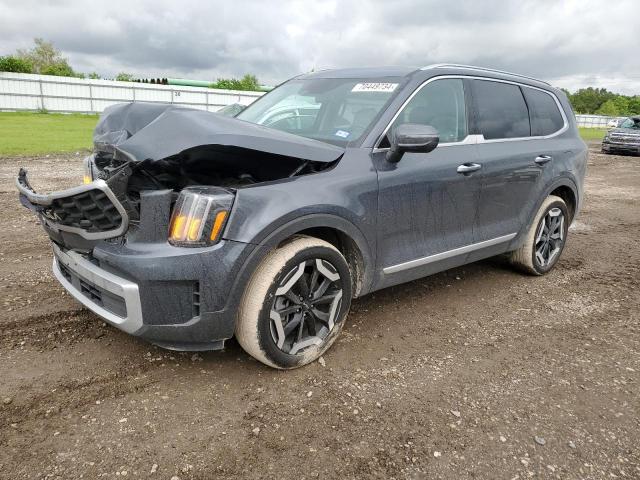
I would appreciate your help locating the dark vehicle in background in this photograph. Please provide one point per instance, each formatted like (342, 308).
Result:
(192, 227)
(623, 139)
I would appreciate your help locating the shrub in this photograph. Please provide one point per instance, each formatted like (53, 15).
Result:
(61, 69)
(248, 82)
(14, 64)
(124, 77)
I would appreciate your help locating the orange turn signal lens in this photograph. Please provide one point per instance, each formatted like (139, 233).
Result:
(216, 230)
(86, 179)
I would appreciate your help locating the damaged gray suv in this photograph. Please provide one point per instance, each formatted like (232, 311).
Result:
(192, 227)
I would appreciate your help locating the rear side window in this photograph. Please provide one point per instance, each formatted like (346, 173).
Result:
(501, 111)
(543, 110)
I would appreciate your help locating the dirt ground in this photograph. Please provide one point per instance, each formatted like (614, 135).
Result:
(479, 372)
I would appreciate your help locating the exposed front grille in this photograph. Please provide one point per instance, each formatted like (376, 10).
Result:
(92, 211)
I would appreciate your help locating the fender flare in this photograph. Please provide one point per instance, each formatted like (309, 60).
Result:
(273, 237)
(270, 238)
(564, 181)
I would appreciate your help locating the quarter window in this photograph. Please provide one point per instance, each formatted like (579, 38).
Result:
(501, 110)
(543, 111)
(441, 105)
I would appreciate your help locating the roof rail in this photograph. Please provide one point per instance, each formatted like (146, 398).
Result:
(482, 69)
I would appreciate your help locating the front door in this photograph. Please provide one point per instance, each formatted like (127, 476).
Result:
(427, 202)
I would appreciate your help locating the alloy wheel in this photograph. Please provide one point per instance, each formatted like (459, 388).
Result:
(306, 305)
(550, 237)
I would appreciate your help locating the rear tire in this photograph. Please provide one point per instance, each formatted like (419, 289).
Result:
(295, 304)
(545, 238)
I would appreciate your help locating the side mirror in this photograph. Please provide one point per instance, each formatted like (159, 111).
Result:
(411, 137)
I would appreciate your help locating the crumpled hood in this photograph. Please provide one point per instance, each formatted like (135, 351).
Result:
(153, 131)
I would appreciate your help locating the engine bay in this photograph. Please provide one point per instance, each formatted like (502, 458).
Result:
(213, 165)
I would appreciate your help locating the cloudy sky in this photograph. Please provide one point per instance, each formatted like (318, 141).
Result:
(571, 43)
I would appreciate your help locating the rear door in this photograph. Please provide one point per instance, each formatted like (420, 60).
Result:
(512, 160)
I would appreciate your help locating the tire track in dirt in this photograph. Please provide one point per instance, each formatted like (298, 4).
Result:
(73, 394)
(49, 331)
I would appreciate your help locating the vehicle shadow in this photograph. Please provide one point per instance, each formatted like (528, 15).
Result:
(374, 309)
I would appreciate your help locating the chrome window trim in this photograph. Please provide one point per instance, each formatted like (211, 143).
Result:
(418, 262)
(480, 69)
(125, 289)
(47, 199)
(565, 121)
(479, 138)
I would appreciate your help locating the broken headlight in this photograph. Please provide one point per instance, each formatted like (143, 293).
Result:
(87, 177)
(199, 216)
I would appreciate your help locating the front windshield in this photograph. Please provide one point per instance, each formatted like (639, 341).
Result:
(333, 110)
(630, 123)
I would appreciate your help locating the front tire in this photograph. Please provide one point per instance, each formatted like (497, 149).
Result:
(295, 304)
(545, 238)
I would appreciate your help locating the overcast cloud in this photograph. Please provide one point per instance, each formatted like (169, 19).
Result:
(571, 43)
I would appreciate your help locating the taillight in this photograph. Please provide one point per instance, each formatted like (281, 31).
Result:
(199, 216)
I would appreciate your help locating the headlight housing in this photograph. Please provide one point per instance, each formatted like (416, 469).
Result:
(87, 176)
(199, 216)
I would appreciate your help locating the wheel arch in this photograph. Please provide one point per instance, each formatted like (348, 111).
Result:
(339, 232)
(566, 193)
(565, 188)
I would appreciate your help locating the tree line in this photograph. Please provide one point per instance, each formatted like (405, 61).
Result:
(600, 101)
(45, 59)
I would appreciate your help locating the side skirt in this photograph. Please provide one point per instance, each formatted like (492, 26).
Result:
(418, 262)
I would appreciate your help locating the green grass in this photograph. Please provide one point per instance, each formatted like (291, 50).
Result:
(23, 133)
(592, 133)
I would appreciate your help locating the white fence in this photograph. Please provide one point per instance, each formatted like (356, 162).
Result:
(22, 91)
(594, 121)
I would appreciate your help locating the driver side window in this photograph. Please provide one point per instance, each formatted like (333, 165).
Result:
(439, 104)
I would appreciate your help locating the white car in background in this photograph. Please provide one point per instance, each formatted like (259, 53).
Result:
(614, 122)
